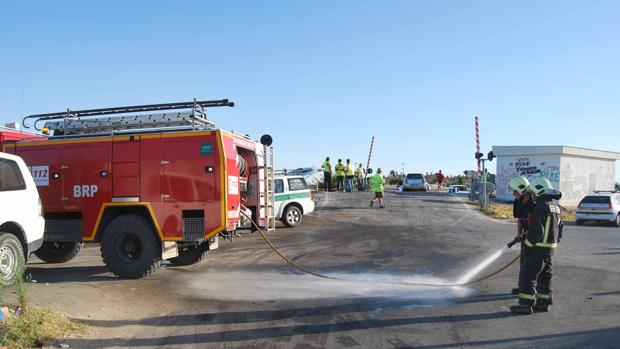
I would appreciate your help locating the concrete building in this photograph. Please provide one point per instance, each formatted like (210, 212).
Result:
(574, 171)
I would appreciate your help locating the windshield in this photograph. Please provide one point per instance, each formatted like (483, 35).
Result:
(596, 200)
(414, 176)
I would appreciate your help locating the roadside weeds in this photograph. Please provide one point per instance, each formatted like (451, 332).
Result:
(500, 210)
(27, 326)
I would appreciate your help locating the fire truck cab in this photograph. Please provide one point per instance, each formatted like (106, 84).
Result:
(157, 182)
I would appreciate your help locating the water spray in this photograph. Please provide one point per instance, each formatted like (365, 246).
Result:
(467, 279)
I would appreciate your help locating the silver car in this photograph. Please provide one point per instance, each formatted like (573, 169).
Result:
(415, 181)
(600, 206)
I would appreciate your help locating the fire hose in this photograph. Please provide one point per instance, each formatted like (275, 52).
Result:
(310, 272)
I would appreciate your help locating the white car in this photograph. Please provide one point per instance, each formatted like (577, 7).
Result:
(458, 188)
(21, 217)
(415, 181)
(600, 206)
(293, 199)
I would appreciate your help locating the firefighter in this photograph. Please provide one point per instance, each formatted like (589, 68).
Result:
(350, 173)
(327, 174)
(545, 231)
(339, 175)
(359, 176)
(377, 182)
(522, 209)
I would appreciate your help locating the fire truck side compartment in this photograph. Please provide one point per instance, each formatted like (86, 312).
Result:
(161, 176)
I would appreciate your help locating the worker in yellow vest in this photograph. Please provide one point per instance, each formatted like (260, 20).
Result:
(377, 182)
(339, 175)
(349, 173)
(359, 176)
(327, 174)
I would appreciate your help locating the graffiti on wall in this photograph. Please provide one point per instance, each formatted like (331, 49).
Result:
(523, 166)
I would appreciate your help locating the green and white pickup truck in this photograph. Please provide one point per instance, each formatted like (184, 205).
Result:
(293, 199)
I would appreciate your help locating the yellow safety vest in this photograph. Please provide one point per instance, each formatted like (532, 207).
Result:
(377, 183)
(349, 170)
(327, 167)
(359, 173)
(339, 170)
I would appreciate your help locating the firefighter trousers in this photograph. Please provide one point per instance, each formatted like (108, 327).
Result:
(535, 276)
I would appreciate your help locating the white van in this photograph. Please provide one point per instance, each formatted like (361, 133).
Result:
(293, 199)
(21, 217)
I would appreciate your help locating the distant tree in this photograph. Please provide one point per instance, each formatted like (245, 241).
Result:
(393, 177)
(617, 186)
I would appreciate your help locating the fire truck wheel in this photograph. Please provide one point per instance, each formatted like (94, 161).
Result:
(11, 258)
(292, 216)
(58, 252)
(129, 247)
(189, 255)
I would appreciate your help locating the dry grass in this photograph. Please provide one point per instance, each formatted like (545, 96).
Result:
(500, 210)
(36, 326)
(33, 326)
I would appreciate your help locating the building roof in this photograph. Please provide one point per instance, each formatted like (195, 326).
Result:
(554, 150)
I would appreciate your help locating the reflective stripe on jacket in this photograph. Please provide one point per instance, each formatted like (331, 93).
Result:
(545, 228)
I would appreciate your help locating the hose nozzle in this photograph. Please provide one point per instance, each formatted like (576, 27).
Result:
(514, 241)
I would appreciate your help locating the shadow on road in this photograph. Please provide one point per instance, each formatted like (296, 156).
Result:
(605, 293)
(70, 274)
(363, 305)
(593, 338)
(274, 332)
(604, 338)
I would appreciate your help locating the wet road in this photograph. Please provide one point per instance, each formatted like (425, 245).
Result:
(245, 296)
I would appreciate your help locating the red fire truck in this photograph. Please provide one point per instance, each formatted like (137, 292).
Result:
(148, 182)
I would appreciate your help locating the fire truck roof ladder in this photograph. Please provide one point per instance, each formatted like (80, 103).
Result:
(90, 122)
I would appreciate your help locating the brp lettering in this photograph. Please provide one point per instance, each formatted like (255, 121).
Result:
(85, 191)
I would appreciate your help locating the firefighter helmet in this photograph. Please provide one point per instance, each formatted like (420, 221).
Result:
(519, 184)
(541, 186)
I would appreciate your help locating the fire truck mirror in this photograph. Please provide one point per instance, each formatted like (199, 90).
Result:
(266, 140)
(209, 169)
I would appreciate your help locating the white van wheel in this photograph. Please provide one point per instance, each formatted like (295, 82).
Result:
(292, 216)
(11, 258)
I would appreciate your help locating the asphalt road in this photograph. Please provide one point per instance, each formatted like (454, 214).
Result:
(245, 296)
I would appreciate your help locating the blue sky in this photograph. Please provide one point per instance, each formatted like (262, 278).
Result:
(323, 77)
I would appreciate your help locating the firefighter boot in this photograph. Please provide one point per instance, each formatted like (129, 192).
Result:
(515, 291)
(521, 309)
(542, 306)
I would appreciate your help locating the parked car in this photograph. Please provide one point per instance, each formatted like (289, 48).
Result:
(415, 181)
(293, 199)
(312, 175)
(456, 188)
(599, 206)
(21, 216)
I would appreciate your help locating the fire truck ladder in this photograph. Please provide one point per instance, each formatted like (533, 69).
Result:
(269, 198)
(89, 122)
